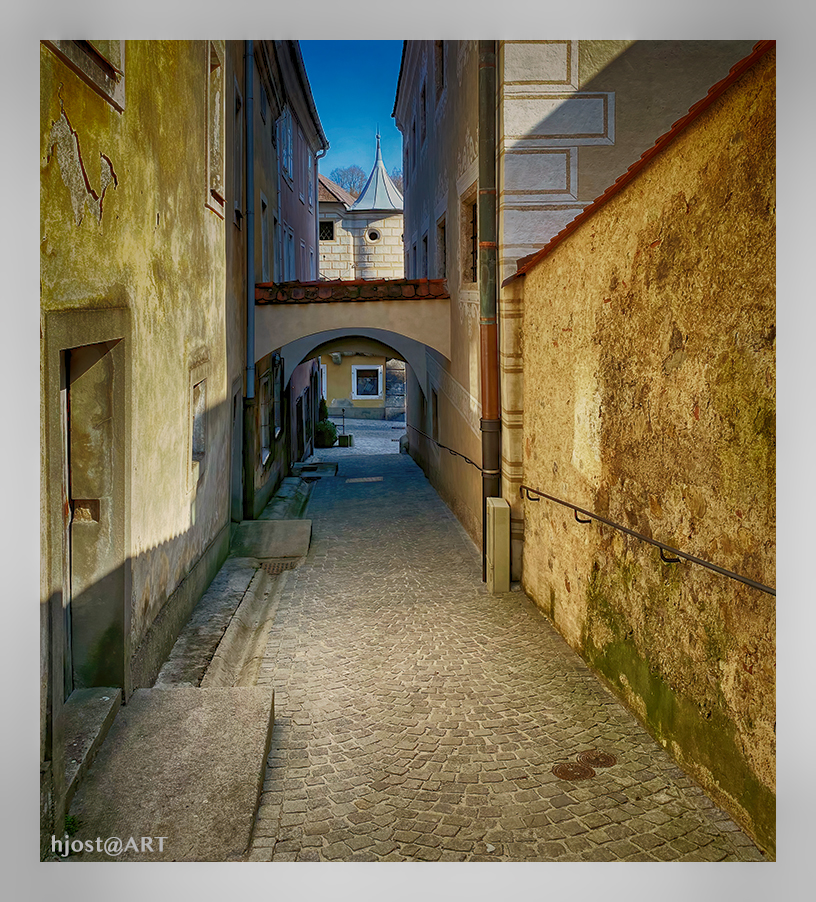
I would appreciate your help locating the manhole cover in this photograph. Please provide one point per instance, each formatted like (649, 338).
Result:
(573, 770)
(597, 758)
(274, 568)
(366, 479)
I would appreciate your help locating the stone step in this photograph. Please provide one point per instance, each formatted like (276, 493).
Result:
(87, 718)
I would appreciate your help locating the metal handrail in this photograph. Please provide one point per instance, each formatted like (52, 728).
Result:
(449, 450)
(663, 547)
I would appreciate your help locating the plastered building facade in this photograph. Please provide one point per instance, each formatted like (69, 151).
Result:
(150, 447)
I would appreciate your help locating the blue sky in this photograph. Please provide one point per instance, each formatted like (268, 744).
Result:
(354, 84)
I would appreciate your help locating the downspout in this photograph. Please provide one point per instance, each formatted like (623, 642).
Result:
(488, 322)
(319, 155)
(249, 396)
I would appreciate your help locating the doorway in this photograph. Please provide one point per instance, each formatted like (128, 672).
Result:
(93, 556)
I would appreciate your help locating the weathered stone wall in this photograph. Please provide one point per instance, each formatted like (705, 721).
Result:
(649, 397)
(133, 259)
(394, 389)
(152, 247)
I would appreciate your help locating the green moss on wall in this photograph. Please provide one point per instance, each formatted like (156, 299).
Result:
(703, 737)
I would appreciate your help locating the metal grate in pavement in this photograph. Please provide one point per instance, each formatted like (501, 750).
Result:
(596, 758)
(572, 770)
(366, 479)
(275, 568)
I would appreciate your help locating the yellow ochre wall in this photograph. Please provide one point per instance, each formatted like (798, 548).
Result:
(649, 397)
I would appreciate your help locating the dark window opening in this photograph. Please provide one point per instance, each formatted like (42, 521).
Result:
(277, 398)
(93, 54)
(326, 230)
(439, 53)
(474, 242)
(368, 382)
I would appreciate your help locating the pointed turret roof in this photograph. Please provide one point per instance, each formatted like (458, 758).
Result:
(380, 193)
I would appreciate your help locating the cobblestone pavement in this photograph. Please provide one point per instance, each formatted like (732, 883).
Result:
(419, 718)
(370, 437)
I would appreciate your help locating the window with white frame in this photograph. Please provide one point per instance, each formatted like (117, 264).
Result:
(285, 142)
(366, 382)
(301, 166)
(310, 168)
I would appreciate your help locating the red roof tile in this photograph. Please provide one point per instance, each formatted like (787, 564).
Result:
(349, 290)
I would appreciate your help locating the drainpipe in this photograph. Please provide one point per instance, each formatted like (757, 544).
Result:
(488, 323)
(319, 155)
(249, 397)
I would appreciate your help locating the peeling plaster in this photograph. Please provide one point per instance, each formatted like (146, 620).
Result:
(72, 170)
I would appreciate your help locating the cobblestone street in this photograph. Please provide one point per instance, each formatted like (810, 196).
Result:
(419, 718)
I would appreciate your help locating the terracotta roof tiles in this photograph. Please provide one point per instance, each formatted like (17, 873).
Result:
(330, 192)
(350, 290)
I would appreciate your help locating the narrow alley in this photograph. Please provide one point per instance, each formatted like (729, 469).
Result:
(554, 259)
(419, 718)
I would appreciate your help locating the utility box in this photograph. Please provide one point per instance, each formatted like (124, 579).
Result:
(498, 546)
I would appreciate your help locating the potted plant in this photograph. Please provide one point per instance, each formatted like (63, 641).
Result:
(325, 430)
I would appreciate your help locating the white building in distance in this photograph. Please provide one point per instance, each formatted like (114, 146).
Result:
(362, 238)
